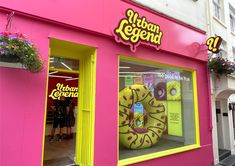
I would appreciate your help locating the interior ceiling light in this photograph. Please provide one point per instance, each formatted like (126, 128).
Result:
(60, 76)
(65, 65)
(51, 59)
(70, 79)
(53, 72)
(124, 67)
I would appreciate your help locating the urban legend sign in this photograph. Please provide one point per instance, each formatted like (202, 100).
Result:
(62, 90)
(134, 30)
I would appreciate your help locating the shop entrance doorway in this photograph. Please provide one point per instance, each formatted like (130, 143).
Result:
(62, 109)
(69, 111)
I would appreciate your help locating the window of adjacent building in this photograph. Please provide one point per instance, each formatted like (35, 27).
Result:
(217, 4)
(232, 19)
(223, 50)
(233, 54)
(157, 111)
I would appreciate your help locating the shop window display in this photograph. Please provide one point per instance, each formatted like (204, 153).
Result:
(156, 108)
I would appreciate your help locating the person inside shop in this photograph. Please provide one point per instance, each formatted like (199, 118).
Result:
(59, 118)
(70, 119)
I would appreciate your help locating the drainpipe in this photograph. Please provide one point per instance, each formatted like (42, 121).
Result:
(212, 89)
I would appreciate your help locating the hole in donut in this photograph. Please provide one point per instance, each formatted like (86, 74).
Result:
(173, 91)
(138, 122)
(159, 92)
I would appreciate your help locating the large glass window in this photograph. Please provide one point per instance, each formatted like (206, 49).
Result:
(156, 109)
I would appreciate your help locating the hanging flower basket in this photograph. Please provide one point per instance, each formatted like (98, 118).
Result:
(15, 48)
(220, 66)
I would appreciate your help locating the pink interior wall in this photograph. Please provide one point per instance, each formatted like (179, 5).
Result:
(52, 85)
(23, 94)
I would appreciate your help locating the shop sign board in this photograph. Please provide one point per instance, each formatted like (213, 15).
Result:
(214, 43)
(134, 30)
(63, 90)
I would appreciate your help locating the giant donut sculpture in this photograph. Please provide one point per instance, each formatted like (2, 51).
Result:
(155, 112)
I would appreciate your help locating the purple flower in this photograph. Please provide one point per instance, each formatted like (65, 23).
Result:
(12, 37)
(3, 52)
(3, 43)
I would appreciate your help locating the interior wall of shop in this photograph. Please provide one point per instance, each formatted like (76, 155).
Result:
(50, 102)
(23, 94)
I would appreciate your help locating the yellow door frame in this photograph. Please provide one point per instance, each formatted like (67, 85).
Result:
(86, 123)
(84, 150)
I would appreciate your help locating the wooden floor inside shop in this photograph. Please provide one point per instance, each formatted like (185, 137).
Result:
(59, 153)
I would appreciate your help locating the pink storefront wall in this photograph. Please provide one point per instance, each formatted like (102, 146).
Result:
(22, 97)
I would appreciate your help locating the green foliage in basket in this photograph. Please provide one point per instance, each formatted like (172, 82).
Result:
(220, 66)
(14, 47)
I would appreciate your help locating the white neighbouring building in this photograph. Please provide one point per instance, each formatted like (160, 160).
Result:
(221, 22)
